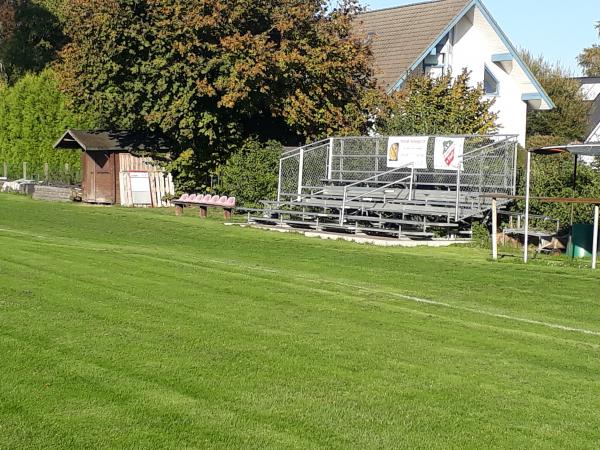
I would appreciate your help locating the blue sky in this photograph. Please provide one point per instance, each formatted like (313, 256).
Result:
(558, 29)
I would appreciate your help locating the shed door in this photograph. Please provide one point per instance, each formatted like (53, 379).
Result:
(100, 174)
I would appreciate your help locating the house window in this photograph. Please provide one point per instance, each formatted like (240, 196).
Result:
(490, 83)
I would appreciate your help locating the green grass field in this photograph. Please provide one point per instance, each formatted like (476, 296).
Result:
(124, 328)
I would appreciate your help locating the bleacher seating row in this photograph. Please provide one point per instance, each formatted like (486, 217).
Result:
(397, 212)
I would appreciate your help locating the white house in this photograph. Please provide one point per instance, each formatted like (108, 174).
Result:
(449, 35)
(590, 89)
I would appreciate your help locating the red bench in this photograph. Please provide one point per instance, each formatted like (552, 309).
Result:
(203, 202)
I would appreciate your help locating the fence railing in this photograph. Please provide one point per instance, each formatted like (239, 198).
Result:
(410, 178)
(489, 164)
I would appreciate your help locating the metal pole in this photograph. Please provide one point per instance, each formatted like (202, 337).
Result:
(494, 229)
(330, 162)
(279, 181)
(514, 180)
(595, 239)
(412, 178)
(342, 159)
(300, 173)
(377, 159)
(457, 212)
(527, 187)
(573, 206)
(343, 205)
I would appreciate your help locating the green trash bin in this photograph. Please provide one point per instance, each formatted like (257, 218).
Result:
(582, 241)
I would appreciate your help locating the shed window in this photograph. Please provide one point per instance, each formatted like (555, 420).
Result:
(490, 83)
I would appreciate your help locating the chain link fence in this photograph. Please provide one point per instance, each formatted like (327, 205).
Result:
(52, 174)
(488, 165)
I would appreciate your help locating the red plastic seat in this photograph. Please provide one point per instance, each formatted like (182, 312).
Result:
(213, 200)
(184, 197)
(191, 198)
(230, 203)
(222, 200)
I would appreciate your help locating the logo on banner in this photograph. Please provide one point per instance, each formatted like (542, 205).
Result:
(448, 153)
(405, 150)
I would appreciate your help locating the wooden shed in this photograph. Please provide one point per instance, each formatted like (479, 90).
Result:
(111, 174)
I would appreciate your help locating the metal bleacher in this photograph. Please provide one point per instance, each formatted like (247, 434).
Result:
(344, 185)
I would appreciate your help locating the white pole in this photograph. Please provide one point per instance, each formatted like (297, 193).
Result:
(300, 173)
(330, 160)
(527, 186)
(595, 240)
(494, 229)
(279, 181)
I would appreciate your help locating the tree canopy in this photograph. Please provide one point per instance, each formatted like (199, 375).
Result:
(30, 36)
(33, 114)
(589, 59)
(446, 104)
(568, 120)
(211, 73)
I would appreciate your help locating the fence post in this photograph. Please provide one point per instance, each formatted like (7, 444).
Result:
(279, 181)
(300, 173)
(330, 165)
(24, 170)
(595, 238)
(46, 172)
(5, 170)
(457, 212)
(341, 159)
(494, 229)
(377, 159)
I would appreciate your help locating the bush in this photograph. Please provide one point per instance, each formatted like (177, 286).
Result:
(481, 235)
(33, 115)
(251, 173)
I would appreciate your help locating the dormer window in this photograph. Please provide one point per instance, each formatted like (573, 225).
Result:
(490, 83)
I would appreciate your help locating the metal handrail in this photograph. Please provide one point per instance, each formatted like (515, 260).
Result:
(292, 151)
(411, 177)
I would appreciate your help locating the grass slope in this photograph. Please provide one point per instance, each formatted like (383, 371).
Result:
(137, 329)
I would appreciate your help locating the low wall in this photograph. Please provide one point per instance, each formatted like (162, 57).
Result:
(53, 193)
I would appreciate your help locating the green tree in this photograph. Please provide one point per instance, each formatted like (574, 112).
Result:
(30, 36)
(33, 115)
(428, 105)
(252, 172)
(568, 120)
(208, 74)
(589, 59)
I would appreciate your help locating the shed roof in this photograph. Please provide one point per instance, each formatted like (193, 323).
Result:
(109, 141)
(403, 33)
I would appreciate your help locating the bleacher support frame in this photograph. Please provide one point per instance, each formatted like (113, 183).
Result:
(345, 181)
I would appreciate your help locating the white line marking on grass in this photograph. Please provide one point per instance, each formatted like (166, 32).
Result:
(411, 298)
(425, 301)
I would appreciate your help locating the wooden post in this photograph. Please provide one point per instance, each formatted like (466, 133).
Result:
(203, 212)
(227, 215)
(46, 172)
(494, 229)
(5, 170)
(595, 240)
(24, 170)
(178, 210)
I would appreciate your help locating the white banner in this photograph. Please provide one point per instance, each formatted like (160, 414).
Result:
(403, 150)
(448, 153)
